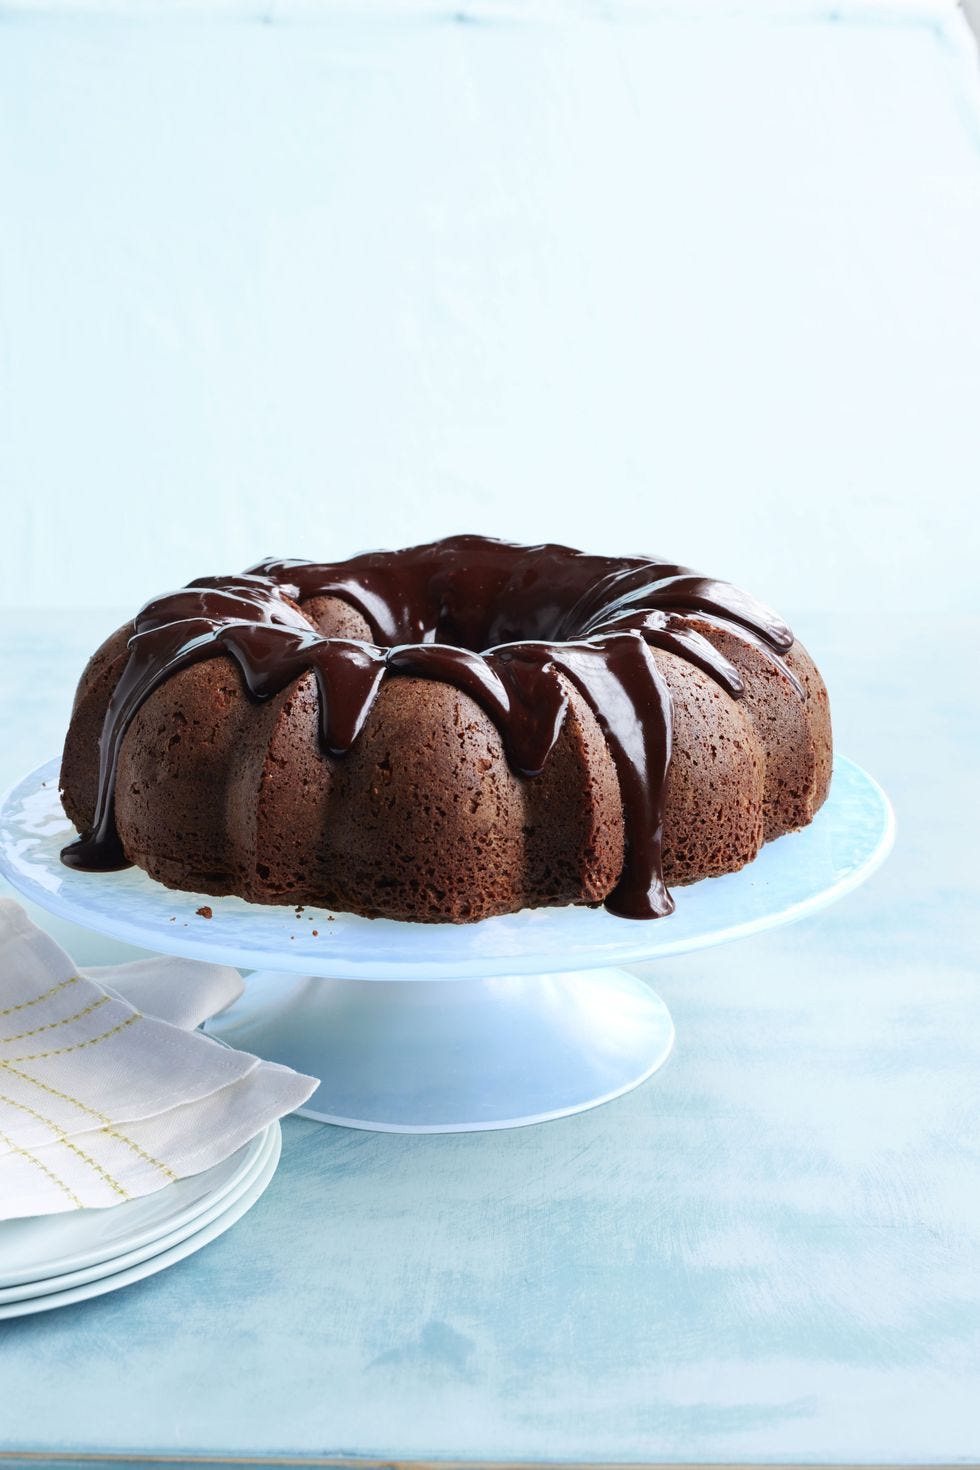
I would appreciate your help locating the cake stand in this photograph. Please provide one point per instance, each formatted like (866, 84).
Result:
(444, 1028)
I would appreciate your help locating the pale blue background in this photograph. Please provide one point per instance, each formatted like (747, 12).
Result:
(297, 279)
(273, 279)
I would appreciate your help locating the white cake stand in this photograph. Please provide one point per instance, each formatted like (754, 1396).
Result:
(541, 1020)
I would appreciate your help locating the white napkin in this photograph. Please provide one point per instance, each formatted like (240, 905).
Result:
(105, 1095)
(183, 992)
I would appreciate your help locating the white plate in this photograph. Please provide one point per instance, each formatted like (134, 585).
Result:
(797, 875)
(224, 1201)
(35, 1249)
(164, 1259)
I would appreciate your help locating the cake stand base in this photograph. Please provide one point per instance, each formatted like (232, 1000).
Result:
(439, 1028)
(442, 1056)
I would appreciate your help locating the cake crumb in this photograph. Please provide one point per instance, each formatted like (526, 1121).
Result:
(205, 911)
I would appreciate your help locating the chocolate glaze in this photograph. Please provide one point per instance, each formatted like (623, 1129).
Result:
(511, 626)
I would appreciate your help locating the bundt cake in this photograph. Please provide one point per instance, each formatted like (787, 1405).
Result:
(447, 732)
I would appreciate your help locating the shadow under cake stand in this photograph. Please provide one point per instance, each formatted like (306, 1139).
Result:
(445, 1028)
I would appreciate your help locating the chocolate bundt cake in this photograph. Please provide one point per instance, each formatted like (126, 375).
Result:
(447, 732)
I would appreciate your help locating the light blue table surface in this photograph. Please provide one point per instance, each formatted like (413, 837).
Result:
(770, 1252)
(465, 274)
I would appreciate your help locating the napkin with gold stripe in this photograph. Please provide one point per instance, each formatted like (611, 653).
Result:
(106, 1094)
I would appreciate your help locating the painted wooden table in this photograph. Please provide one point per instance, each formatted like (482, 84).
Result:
(770, 1252)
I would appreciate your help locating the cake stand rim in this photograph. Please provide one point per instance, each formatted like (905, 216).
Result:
(218, 948)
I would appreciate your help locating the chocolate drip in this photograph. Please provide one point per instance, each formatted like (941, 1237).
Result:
(520, 687)
(513, 627)
(477, 593)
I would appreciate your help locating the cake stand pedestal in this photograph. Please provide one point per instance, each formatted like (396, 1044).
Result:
(447, 1028)
(447, 1056)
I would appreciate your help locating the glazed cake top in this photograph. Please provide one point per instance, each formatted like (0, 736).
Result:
(511, 626)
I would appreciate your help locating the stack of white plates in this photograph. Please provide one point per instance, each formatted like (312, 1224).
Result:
(55, 1260)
